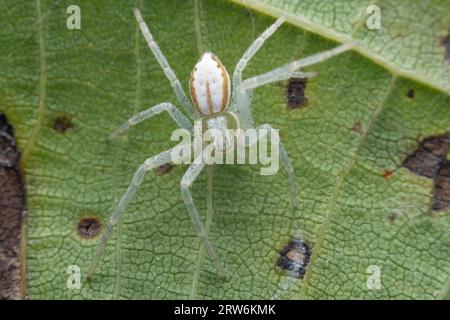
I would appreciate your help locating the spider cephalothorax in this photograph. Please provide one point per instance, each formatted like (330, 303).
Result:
(211, 91)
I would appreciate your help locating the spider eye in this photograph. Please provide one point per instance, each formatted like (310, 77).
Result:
(209, 85)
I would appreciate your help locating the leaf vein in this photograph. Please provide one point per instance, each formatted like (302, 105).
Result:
(338, 187)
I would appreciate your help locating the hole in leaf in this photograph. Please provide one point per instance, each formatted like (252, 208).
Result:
(295, 93)
(88, 227)
(62, 123)
(294, 258)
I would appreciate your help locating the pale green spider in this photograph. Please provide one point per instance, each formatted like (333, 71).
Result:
(210, 92)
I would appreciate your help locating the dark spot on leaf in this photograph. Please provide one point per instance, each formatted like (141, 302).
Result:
(387, 174)
(296, 93)
(357, 127)
(12, 208)
(392, 217)
(163, 169)
(62, 123)
(429, 156)
(9, 157)
(410, 93)
(89, 227)
(446, 44)
(430, 160)
(294, 258)
(441, 196)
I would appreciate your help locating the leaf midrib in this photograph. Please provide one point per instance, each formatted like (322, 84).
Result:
(342, 38)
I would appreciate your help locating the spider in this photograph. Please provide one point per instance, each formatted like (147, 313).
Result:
(218, 105)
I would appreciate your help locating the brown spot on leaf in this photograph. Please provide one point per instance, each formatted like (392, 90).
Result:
(410, 93)
(429, 156)
(387, 174)
(294, 258)
(62, 123)
(163, 169)
(445, 41)
(441, 196)
(392, 217)
(12, 208)
(357, 127)
(296, 93)
(430, 160)
(88, 227)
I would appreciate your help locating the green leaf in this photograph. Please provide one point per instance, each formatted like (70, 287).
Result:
(410, 42)
(359, 124)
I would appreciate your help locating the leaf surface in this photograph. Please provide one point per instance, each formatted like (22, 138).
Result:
(360, 123)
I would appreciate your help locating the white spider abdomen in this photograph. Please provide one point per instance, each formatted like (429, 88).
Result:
(210, 85)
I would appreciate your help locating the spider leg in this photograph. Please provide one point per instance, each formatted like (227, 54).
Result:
(251, 51)
(188, 178)
(176, 115)
(286, 71)
(148, 164)
(245, 89)
(287, 164)
(174, 82)
(244, 100)
(302, 75)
